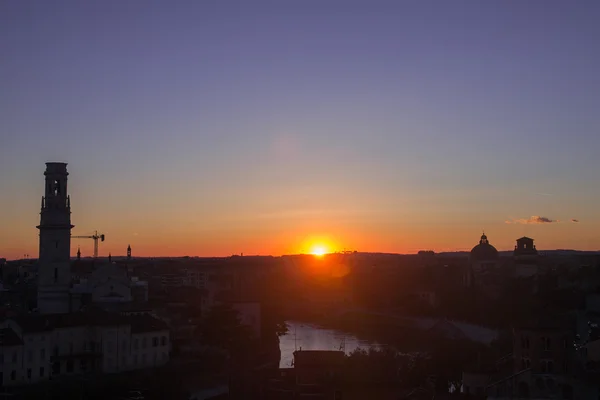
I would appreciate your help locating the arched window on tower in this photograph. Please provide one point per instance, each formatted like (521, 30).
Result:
(56, 187)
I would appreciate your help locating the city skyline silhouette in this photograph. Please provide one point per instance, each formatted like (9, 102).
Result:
(213, 129)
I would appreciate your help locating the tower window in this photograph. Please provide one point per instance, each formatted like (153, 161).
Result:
(56, 244)
(56, 188)
(55, 275)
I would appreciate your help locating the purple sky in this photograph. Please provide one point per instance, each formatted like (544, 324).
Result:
(235, 121)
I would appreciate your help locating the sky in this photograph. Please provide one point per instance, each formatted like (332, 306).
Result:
(266, 127)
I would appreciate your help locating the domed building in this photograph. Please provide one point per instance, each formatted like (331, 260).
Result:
(484, 250)
(483, 263)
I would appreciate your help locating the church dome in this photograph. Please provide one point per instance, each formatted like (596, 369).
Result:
(484, 250)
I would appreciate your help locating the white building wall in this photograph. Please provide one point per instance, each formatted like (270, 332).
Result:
(117, 348)
(150, 349)
(36, 357)
(11, 365)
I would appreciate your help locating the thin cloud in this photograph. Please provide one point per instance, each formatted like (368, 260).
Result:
(534, 219)
(575, 220)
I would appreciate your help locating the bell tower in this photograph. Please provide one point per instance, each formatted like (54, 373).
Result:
(54, 276)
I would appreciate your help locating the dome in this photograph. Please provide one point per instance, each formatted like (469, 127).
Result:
(484, 250)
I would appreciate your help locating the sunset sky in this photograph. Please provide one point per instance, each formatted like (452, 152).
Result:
(219, 127)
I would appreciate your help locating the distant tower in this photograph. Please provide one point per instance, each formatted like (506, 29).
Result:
(78, 254)
(109, 257)
(525, 258)
(54, 277)
(129, 252)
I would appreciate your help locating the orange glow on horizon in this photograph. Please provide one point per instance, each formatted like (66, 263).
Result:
(318, 250)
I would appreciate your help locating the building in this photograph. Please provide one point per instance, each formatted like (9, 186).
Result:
(525, 258)
(545, 363)
(196, 278)
(318, 373)
(108, 283)
(54, 275)
(484, 265)
(36, 348)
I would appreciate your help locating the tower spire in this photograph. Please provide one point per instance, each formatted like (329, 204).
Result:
(78, 253)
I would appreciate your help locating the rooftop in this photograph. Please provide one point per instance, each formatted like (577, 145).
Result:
(35, 323)
(8, 337)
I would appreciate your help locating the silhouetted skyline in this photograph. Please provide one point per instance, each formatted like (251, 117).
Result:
(212, 128)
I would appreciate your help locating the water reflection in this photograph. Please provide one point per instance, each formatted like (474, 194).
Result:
(313, 337)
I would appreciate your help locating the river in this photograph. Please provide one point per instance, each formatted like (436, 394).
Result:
(313, 337)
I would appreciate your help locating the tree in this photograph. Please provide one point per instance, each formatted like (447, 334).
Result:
(222, 328)
(273, 321)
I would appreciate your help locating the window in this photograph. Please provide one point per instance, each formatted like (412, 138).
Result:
(30, 356)
(70, 366)
(547, 366)
(55, 275)
(41, 372)
(1, 358)
(164, 357)
(14, 357)
(525, 342)
(163, 341)
(154, 342)
(43, 354)
(546, 343)
(56, 368)
(83, 365)
(13, 375)
(136, 343)
(28, 373)
(55, 351)
(143, 359)
(144, 342)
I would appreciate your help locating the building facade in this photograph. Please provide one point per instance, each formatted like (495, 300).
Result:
(37, 348)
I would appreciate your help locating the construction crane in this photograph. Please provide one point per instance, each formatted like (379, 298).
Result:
(96, 237)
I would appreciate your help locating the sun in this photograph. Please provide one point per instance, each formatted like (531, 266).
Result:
(318, 250)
